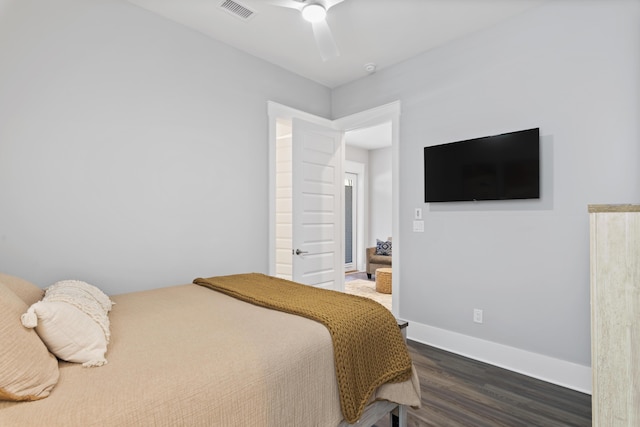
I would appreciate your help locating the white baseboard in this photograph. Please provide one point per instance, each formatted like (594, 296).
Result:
(555, 371)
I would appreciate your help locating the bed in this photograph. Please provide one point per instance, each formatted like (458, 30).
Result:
(191, 355)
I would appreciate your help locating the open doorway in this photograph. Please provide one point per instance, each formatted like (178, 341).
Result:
(368, 176)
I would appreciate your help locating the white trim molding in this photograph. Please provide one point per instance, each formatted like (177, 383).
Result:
(556, 371)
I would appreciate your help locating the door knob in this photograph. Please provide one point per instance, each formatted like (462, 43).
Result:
(299, 252)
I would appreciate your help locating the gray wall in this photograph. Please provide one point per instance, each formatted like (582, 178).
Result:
(356, 154)
(378, 187)
(133, 151)
(380, 195)
(570, 68)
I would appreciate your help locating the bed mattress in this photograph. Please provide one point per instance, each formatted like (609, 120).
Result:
(187, 355)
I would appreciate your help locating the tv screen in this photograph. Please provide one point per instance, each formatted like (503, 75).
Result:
(500, 167)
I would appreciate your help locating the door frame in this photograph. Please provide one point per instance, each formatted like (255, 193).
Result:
(378, 115)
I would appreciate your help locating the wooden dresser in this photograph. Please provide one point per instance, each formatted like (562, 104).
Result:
(615, 314)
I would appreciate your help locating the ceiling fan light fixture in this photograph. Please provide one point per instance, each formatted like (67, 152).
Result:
(314, 12)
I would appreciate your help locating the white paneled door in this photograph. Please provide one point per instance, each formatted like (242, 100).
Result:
(317, 184)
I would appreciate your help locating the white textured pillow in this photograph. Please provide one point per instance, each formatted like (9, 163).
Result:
(72, 321)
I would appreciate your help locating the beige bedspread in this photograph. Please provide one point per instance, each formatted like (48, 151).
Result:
(185, 355)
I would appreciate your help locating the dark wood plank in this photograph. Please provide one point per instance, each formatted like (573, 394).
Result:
(458, 391)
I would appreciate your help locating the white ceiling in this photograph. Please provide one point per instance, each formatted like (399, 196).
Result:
(383, 32)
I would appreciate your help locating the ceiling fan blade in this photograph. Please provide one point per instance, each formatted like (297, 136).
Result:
(328, 4)
(324, 40)
(299, 5)
(291, 4)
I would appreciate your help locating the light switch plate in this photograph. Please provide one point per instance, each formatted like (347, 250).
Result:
(417, 214)
(418, 226)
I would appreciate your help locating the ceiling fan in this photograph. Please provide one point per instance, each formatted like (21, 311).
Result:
(315, 11)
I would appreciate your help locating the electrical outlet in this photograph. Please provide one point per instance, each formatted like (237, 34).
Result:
(477, 315)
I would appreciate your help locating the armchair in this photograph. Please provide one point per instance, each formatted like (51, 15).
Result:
(376, 261)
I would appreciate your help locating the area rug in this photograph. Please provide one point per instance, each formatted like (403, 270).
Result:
(366, 288)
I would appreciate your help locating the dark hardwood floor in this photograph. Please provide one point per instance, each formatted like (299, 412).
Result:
(458, 391)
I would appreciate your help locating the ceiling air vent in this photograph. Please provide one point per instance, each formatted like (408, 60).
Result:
(236, 9)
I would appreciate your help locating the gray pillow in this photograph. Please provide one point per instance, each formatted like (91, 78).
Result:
(383, 248)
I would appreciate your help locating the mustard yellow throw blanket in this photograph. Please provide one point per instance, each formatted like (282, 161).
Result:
(368, 347)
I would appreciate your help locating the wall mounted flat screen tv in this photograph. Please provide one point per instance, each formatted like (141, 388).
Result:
(500, 167)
